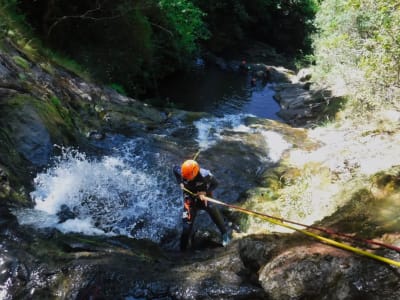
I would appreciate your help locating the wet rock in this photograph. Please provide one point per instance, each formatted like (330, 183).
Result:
(256, 251)
(4, 184)
(293, 114)
(301, 103)
(6, 92)
(321, 272)
(65, 213)
(30, 135)
(292, 96)
(95, 135)
(304, 75)
(280, 74)
(6, 218)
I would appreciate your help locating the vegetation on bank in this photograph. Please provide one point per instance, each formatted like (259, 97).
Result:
(132, 45)
(357, 50)
(135, 44)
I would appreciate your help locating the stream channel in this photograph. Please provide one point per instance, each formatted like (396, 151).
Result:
(129, 189)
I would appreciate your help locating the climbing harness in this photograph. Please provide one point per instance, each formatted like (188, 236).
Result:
(280, 222)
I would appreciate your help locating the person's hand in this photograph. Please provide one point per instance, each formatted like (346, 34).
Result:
(182, 186)
(201, 196)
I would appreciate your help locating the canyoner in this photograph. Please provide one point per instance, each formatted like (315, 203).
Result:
(200, 182)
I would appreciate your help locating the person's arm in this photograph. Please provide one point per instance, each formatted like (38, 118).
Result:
(211, 184)
(179, 180)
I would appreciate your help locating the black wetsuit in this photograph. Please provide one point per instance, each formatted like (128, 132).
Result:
(203, 182)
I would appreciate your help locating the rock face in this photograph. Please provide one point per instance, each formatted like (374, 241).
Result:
(302, 104)
(48, 264)
(289, 268)
(30, 134)
(317, 271)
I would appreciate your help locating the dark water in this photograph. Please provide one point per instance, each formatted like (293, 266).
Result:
(210, 89)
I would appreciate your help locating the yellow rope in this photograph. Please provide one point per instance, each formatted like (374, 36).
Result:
(196, 155)
(316, 236)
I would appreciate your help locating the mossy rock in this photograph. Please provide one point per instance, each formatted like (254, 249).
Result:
(388, 182)
(262, 193)
(370, 212)
(21, 62)
(29, 128)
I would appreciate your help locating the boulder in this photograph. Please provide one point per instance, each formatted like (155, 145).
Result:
(318, 271)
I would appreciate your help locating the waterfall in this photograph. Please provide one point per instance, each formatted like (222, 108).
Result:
(129, 192)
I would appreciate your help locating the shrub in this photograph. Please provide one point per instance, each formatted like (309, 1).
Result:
(359, 43)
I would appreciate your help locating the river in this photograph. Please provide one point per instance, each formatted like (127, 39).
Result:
(208, 88)
(129, 188)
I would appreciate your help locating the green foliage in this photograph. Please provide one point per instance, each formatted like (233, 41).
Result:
(118, 88)
(8, 14)
(66, 62)
(186, 24)
(359, 42)
(56, 101)
(284, 24)
(137, 43)
(304, 60)
(14, 26)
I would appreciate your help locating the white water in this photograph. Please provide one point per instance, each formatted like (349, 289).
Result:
(212, 130)
(120, 194)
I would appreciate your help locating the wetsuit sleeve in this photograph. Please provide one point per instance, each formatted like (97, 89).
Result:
(177, 173)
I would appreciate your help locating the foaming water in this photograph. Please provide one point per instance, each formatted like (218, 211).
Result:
(209, 129)
(277, 145)
(125, 193)
(212, 131)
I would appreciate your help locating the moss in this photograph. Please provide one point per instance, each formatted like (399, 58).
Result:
(58, 120)
(14, 171)
(23, 63)
(388, 182)
(118, 88)
(67, 63)
(370, 212)
(355, 216)
(47, 67)
(56, 102)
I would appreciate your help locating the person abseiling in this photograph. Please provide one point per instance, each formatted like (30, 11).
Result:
(195, 183)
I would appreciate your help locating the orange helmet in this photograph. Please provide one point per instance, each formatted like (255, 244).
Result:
(189, 169)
